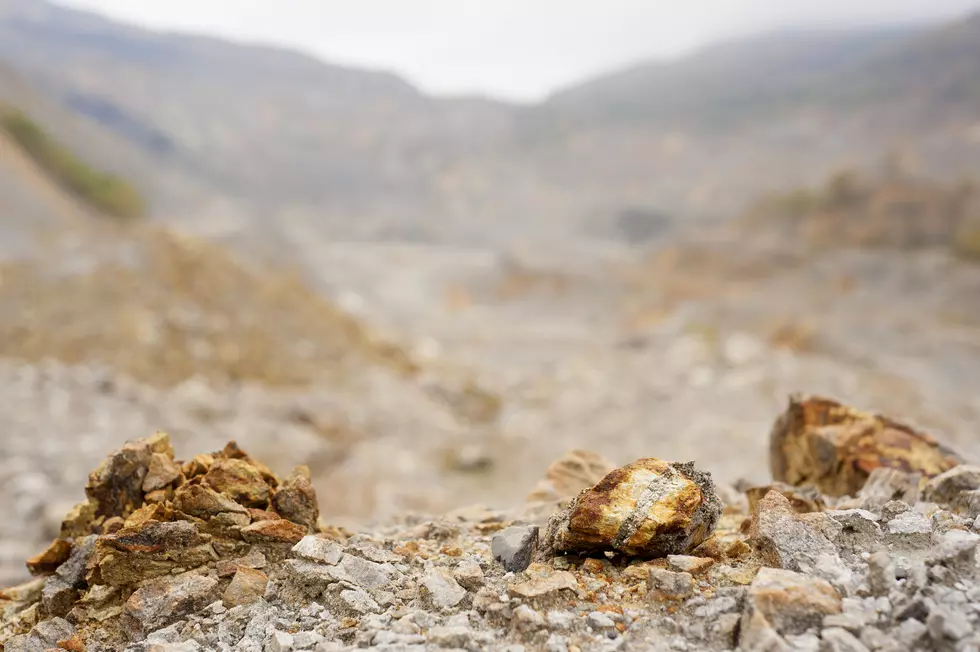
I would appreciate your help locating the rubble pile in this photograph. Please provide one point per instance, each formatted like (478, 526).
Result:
(866, 540)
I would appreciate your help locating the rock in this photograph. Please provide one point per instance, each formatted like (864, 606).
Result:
(205, 503)
(318, 549)
(820, 442)
(247, 586)
(835, 639)
(240, 481)
(543, 585)
(527, 619)
(790, 541)
(881, 573)
(790, 602)
(802, 499)
(280, 642)
(649, 508)
(151, 550)
(599, 620)
(359, 601)
(689, 564)
(295, 499)
(443, 591)
(469, 575)
(515, 547)
(277, 531)
(161, 601)
(366, 574)
(570, 474)
(61, 590)
(885, 484)
(956, 550)
(48, 561)
(162, 471)
(668, 585)
(955, 488)
(908, 531)
(859, 530)
(945, 625)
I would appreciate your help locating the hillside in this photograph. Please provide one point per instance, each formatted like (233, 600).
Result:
(322, 151)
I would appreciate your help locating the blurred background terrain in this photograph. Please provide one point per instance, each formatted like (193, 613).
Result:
(428, 298)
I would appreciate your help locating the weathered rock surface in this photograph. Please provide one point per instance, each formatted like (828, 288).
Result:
(820, 442)
(649, 508)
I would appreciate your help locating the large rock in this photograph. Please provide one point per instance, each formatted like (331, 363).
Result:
(649, 508)
(818, 441)
(295, 499)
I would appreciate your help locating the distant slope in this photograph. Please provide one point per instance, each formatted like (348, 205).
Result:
(309, 150)
(725, 82)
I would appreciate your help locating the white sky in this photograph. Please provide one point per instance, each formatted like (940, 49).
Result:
(513, 49)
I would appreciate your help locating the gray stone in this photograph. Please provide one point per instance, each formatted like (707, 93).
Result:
(859, 529)
(881, 573)
(671, 585)
(162, 601)
(911, 632)
(443, 590)
(909, 531)
(956, 550)
(886, 484)
(560, 619)
(945, 488)
(514, 547)
(947, 625)
(367, 574)
(451, 636)
(319, 549)
(790, 602)
(599, 620)
(280, 642)
(359, 601)
(61, 589)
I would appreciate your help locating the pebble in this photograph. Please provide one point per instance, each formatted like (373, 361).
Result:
(514, 547)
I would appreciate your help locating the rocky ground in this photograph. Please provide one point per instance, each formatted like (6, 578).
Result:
(866, 539)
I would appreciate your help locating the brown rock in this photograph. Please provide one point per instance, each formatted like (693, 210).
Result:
(159, 602)
(73, 644)
(663, 584)
(152, 512)
(649, 508)
(278, 531)
(295, 499)
(151, 550)
(238, 480)
(253, 559)
(48, 561)
(247, 586)
(198, 465)
(822, 443)
(162, 472)
(232, 451)
(205, 503)
(790, 602)
(802, 499)
(570, 474)
(256, 515)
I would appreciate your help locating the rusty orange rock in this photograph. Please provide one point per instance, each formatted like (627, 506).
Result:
(650, 508)
(820, 442)
(48, 561)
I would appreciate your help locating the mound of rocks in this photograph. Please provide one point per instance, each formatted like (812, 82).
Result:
(217, 553)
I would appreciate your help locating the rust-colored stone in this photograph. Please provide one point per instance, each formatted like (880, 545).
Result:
(198, 465)
(802, 499)
(278, 531)
(48, 561)
(247, 586)
(820, 442)
(650, 508)
(239, 480)
(162, 471)
(73, 644)
(204, 502)
(295, 499)
(255, 515)
(151, 550)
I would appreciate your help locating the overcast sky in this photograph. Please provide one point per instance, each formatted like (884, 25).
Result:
(514, 49)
